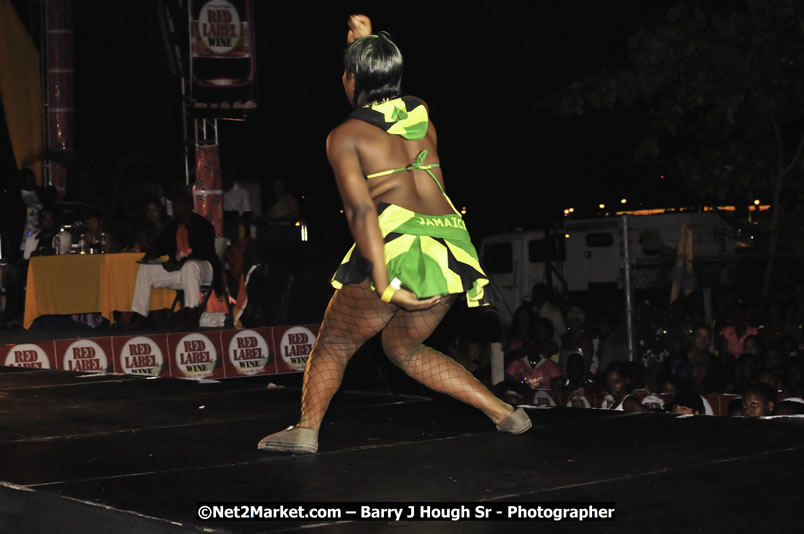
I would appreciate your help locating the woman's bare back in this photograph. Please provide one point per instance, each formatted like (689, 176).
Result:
(379, 151)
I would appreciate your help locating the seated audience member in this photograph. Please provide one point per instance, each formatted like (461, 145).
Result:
(789, 347)
(676, 365)
(686, 402)
(700, 383)
(154, 225)
(753, 345)
(766, 376)
(699, 351)
(284, 205)
(695, 308)
(740, 373)
(575, 377)
(732, 338)
(735, 408)
(791, 378)
(773, 328)
(618, 387)
(612, 340)
(700, 379)
(540, 338)
(670, 385)
(520, 327)
(32, 201)
(530, 365)
(475, 357)
(236, 208)
(577, 339)
(758, 400)
(789, 406)
(575, 383)
(41, 241)
(773, 360)
(189, 242)
(534, 369)
(97, 241)
(636, 375)
(541, 306)
(97, 238)
(698, 355)
(678, 328)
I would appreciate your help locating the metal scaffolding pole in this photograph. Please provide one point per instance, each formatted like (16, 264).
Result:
(629, 299)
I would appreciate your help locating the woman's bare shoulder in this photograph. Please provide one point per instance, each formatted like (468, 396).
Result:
(349, 135)
(345, 132)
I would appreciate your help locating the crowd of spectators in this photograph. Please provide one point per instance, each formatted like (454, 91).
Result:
(34, 224)
(744, 354)
(41, 229)
(685, 354)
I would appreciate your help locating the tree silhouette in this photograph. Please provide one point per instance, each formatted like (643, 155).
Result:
(724, 86)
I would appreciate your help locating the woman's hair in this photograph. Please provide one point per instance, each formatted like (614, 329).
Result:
(376, 63)
(619, 367)
(763, 391)
(158, 203)
(93, 213)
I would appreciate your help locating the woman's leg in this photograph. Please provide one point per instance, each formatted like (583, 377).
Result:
(402, 341)
(354, 315)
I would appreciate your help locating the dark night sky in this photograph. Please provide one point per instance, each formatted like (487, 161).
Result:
(481, 70)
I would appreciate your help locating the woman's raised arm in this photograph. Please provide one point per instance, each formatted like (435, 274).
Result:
(359, 26)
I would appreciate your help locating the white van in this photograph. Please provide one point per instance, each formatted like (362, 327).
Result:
(588, 252)
(516, 261)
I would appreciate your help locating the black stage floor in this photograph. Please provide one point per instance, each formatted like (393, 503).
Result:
(89, 453)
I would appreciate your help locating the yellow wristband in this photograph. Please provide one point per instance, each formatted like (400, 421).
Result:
(388, 294)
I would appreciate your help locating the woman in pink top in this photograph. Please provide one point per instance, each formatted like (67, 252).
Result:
(733, 337)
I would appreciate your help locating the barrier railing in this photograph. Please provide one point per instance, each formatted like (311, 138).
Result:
(714, 403)
(196, 355)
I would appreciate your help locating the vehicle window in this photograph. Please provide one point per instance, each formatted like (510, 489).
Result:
(542, 250)
(602, 239)
(497, 258)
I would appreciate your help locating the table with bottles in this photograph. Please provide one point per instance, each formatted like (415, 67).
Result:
(65, 243)
(67, 284)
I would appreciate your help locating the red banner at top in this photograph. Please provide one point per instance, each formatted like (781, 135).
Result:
(222, 60)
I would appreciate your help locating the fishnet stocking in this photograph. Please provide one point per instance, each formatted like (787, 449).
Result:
(354, 315)
(402, 342)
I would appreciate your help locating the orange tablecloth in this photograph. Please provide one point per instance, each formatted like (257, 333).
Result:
(85, 283)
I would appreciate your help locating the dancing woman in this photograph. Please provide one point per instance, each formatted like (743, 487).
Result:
(412, 254)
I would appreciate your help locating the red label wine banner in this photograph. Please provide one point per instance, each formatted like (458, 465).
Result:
(248, 352)
(196, 355)
(142, 355)
(222, 61)
(29, 355)
(210, 354)
(293, 346)
(85, 355)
